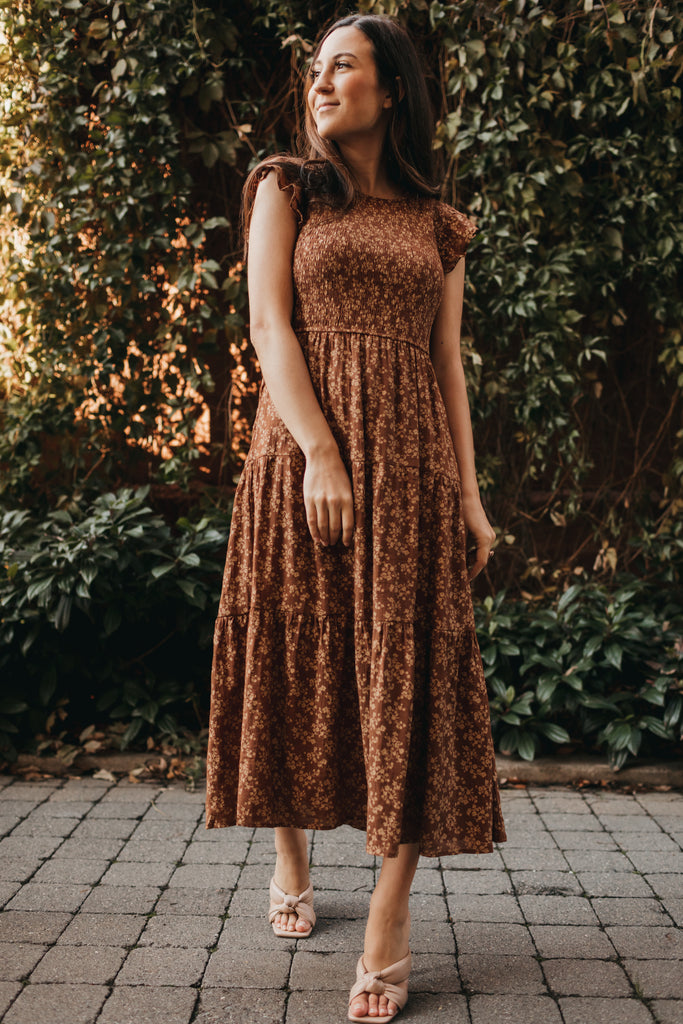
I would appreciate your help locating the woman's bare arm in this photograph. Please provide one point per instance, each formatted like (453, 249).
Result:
(450, 375)
(327, 489)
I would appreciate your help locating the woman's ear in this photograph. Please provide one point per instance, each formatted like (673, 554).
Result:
(401, 93)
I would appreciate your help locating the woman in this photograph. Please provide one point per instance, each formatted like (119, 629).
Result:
(347, 683)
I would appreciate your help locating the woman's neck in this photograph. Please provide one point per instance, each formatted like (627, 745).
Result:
(368, 170)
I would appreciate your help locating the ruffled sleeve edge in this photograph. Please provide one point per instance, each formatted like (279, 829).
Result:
(284, 184)
(454, 232)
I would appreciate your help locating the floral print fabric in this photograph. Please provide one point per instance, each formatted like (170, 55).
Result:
(347, 684)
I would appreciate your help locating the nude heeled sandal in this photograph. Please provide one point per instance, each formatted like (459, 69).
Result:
(282, 903)
(391, 982)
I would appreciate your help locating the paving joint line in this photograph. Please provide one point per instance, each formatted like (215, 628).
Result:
(25, 980)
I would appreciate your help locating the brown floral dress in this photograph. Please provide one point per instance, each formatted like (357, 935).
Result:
(347, 684)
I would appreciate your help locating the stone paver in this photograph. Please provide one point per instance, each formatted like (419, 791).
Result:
(667, 1011)
(137, 1004)
(485, 908)
(237, 1006)
(586, 978)
(162, 966)
(657, 978)
(488, 974)
(87, 965)
(18, 959)
(120, 907)
(56, 1003)
(573, 941)
(190, 930)
(577, 1010)
(521, 1009)
(646, 943)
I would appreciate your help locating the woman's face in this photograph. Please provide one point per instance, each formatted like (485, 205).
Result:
(345, 98)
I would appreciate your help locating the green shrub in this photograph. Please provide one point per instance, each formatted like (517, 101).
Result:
(600, 666)
(107, 614)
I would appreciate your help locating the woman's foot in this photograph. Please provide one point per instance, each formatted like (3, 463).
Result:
(387, 940)
(291, 875)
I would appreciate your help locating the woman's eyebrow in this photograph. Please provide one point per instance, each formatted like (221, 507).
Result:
(344, 53)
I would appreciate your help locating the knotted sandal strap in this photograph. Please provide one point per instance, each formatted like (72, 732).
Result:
(284, 903)
(391, 982)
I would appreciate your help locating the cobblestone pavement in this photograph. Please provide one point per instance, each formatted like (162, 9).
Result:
(121, 908)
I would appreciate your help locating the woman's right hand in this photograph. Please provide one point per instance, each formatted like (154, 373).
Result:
(328, 499)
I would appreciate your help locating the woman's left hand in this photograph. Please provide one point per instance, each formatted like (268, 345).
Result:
(481, 530)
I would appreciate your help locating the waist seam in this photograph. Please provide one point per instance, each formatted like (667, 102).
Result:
(357, 330)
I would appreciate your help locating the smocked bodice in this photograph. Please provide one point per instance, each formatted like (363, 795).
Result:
(374, 268)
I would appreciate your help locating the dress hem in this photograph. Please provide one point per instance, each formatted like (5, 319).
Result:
(216, 821)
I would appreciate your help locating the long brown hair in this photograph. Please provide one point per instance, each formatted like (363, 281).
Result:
(321, 175)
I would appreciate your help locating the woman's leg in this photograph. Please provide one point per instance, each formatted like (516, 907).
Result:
(387, 934)
(291, 872)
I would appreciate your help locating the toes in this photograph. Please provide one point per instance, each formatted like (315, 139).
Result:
(373, 1005)
(303, 926)
(359, 1007)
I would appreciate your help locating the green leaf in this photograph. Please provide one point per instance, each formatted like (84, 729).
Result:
(567, 597)
(162, 570)
(99, 28)
(191, 559)
(619, 735)
(613, 654)
(187, 587)
(555, 733)
(34, 590)
(526, 747)
(659, 728)
(546, 688)
(12, 705)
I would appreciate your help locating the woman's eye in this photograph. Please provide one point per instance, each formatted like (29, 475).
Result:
(315, 73)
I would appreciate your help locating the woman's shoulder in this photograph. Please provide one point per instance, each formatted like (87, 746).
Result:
(286, 171)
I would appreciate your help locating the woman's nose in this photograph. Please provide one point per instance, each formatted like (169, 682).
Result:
(322, 83)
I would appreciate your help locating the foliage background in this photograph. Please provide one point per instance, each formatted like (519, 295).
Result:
(128, 129)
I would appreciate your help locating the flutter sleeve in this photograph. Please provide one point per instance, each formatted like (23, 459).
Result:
(454, 232)
(286, 183)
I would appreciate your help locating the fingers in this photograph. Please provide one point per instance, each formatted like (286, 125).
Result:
(348, 523)
(484, 553)
(328, 521)
(312, 520)
(328, 500)
(323, 523)
(477, 565)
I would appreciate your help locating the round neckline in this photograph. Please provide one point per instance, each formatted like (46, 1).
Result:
(384, 199)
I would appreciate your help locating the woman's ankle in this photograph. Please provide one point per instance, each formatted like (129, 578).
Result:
(291, 842)
(291, 868)
(389, 914)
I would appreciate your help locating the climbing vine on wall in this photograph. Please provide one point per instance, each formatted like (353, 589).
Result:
(129, 129)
